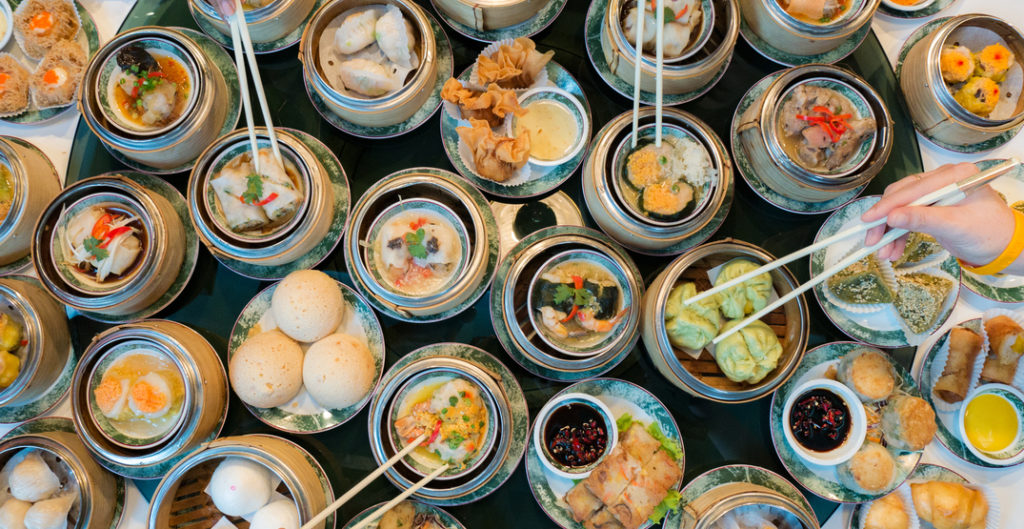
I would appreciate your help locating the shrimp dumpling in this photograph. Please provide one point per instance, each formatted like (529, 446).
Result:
(50, 514)
(395, 37)
(12, 514)
(367, 77)
(676, 38)
(356, 32)
(32, 480)
(650, 28)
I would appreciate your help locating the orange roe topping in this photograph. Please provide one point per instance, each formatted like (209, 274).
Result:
(51, 77)
(41, 23)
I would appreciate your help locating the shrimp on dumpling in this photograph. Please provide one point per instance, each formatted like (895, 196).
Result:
(50, 514)
(367, 77)
(395, 37)
(356, 32)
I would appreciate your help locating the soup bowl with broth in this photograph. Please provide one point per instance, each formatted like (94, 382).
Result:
(555, 121)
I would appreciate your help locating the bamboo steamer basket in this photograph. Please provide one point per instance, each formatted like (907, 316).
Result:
(698, 67)
(34, 182)
(758, 133)
(489, 15)
(45, 327)
(702, 377)
(97, 505)
(773, 24)
(196, 128)
(206, 395)
(708, 508)
(266, 24)
(179, 501)
(389, 109)
(160, 262)
(312, 220)
(932, 107)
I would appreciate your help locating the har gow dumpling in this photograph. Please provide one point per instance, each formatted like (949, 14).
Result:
(12, 514)
(676, 38)
(32, 480)
(650, 28)
(356, 32)
(395, 37)
(50, 514)
(367, 77)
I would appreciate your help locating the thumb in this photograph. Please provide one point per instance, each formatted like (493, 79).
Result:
(226, 8)
(937, 221)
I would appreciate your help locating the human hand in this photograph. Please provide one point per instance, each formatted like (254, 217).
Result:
(226, 8)
(976, 230)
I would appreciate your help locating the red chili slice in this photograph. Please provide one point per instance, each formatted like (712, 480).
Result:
(270, 198)
(112, 234)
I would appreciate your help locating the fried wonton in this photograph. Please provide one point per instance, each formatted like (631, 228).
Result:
(497, 158)
(491, 106)
(514, 65)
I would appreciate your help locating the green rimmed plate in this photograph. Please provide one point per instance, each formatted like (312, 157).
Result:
(445, 61)
(446, 520)
(727, 474)
(342, 203)
(313, 418)
(15, 266)
(1000, 288)
(49, 400)
(821, 479)
(973, 148)
(226, 64)
(286, 41)
(63, 424)
(948, 419)
(88, 38)
(621, 397)
(542, 179)
(519, 417)
(881, 328)
(528, 28)
(188, 263)
(592, 39)
(935, 7)
(788, 59)
(924, 472)
(755, 182)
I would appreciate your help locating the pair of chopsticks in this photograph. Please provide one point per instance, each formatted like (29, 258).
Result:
(368, 479)
(659, 44)
(946, 196)
(242, 44)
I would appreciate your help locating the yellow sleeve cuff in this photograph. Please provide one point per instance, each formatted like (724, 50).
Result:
(1009, 255)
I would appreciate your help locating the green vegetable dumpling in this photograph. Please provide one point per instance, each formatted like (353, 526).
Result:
(749, 354)
(746, 298)
(691, 326)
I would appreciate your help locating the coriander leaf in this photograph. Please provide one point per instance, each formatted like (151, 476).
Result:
(583, 297)
(414, 242)
(453, 400)
(253, 189)
(92, 245)
(670, 15)
(670, 503)
(563, 293)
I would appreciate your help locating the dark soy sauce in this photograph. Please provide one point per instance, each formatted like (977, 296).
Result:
(820, 420)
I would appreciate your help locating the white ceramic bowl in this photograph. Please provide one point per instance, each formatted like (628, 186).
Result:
(916, 7)
(1013, 453)
(565, 99)
(7, 27)
(545, 413)
(858, 426)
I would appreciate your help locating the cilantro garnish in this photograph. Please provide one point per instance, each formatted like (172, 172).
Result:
(579, 296)
(92, 245)
(253, 189)
(414, 242)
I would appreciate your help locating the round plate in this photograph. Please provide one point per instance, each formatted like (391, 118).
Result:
(88, 37)
(755, 182)
(937, 5)
(447, 521)
(621, 397)
(324, 419)
(973, 148)
(819, 479)
(494, 242)
(257, 47)
(188, 263)
(788, 59)
(49, 400)
(527, 28)
(923, 472)
(519, 414)
(881, 329)
(15, 266)
(948, 432)
(445, 60)
(734, 474)
(500, 324)
(543, 179)
(63, 424)
(342, 201)
(226, 64)
(592, 39)
(1000, 288)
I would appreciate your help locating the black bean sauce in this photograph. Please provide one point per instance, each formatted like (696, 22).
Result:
(820, 420)
(575, 435)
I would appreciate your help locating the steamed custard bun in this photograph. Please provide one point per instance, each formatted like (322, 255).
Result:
(280, 514)
(239, 486)
(307, 305)
(32, 480)
(338, 371)
(266, 370)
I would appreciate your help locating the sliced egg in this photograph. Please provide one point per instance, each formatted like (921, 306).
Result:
(150, 396)
(111, 395)
(55, 77)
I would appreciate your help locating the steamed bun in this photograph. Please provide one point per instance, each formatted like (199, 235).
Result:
(749, 354)
(266, 370)
(280, 514)
(239, 486)
(747, 297)
(691, 326)
(307, 305)
(32, 480)
(338, 371)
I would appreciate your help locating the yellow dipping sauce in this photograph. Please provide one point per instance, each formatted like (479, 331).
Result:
(553, 129)
(990, 422)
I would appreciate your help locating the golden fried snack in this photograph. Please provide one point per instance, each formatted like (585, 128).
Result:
(1007, 344)
(949, 505)
(964, 346)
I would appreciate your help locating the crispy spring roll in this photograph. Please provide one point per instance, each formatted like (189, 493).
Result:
(582, 503)
(964, 346)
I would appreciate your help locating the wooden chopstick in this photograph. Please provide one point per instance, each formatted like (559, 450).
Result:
(641, 8)
(243, 82)
(260, 94)
(957, 190)
(398, 499)
(659, 45)
(366, 481)
(946, 196)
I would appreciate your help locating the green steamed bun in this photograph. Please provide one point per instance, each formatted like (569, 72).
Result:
(749, 354)
(746, 298)
(691, 326)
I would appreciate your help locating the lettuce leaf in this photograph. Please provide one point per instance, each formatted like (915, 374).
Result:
(671, 500)
(670, 503)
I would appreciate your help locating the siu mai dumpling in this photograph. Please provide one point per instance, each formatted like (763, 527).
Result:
(367, 78)
(50, 514)
(356, 32)
(395, 37)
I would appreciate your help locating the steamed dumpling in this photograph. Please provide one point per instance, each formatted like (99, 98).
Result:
(746, 298)
(676, 36)
(367, 77)
(691, 326)
(749, 354)
(32, 480)
(12, 514)
(356, 32)
(650, 28)
(395, 37)
(50, 514)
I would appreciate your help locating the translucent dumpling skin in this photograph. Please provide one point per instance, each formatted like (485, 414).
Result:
(356, 32)
(367, 77)
(51, 513)
(32, 480)
(395, 37)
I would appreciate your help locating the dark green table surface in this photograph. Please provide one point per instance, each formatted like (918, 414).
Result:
(713, 434)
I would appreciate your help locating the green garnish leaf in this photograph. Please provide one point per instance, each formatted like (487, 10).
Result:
(667, 444)
(92, 245)
(670, 503)
(253, 189)
(465, 418)
(414, 242)
(662, 160)
(670, 15)
(444, 411)
(455, 440)
(453, 400)
(624, 422)
(579, 296)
